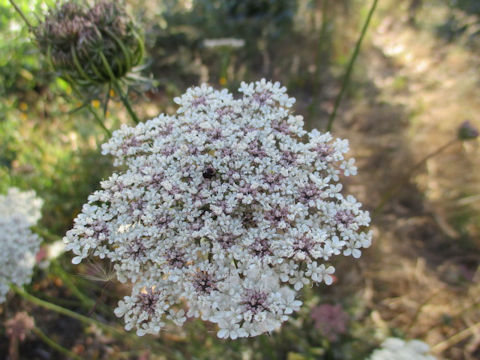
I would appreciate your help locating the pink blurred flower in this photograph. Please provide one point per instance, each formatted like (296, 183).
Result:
(330, 320)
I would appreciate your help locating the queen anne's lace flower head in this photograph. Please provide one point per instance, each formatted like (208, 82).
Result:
(222, 212)
(18, 244)
(398, 349)
(24, 204)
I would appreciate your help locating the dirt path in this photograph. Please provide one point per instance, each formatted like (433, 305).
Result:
(421, 277)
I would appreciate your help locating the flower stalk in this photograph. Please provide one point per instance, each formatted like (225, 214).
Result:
(125, 101)
(119, 334)
(54, 345)
(22, 15)
(351, 63)
(63, 311)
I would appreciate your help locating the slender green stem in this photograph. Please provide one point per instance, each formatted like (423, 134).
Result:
(107, 100)
(89, 106)
(125, 101)
(403, 180)
(99, 121)
(319, 59)
(54, 345)
(86, 301)
(86, 320)
(66, 312)
(22, 15)
(348, 73)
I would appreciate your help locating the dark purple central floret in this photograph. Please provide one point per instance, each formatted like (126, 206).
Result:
(309, 192)
(204, 283)
(199, 101)
(137, 205)
(176, 258)
(277, 215)
(324, 150)
(261, 248)
(226, 241)
(148, 300)
(303, 245)
(255, 301)
(99, 228)
(262, 98)
(344, 217)
(137, 249)
(255, 149)
(289, 157)
(161, 221)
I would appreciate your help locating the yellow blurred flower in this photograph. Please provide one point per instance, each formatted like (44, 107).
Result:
(23, 106)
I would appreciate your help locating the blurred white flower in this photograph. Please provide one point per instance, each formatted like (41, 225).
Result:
(21, 203)
(224, 42)
(18, 244)
(229, 207)
(398, 349)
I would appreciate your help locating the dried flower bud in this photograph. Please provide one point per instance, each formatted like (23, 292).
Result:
(467, 131)
(19, 326)
(90, 45)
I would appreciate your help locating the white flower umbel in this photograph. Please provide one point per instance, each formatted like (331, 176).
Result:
(222, 212)
(18, 244)
(21, 203)
(398, 349)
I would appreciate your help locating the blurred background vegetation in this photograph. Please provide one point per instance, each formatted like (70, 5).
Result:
(416, 79)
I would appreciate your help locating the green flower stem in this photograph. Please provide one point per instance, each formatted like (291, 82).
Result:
(65, 277)
(89, 321)
(99, 121)
(125, 101)
(89, 106)
(118, 89)
(348, 73)
(107, 67)
(403, 180)
(42, 336)
(22, 15)
(319, 61)
(66, 312)
(88, 303)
